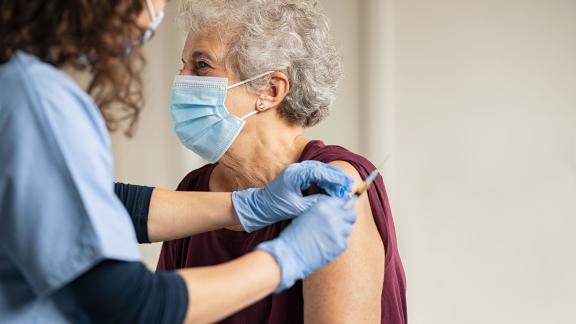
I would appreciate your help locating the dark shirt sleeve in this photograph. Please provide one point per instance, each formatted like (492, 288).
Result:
(136, 199)
(127, 292)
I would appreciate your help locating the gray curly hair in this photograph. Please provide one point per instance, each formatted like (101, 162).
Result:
(290, 36)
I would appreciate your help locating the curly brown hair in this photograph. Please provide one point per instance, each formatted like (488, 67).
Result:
(86, 35)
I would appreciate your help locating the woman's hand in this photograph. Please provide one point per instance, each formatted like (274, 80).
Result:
(283, 199)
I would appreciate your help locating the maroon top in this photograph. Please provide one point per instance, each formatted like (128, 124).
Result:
(287, 307)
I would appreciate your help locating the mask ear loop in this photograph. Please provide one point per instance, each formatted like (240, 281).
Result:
(260, 108)
(250, 114)
(249, 80)
(151, 11)
(155, 20)
(261, 105)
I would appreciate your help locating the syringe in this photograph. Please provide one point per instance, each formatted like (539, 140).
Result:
(365, 185)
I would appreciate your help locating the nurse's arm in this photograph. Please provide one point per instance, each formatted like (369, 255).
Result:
(178, 214)
(164, 215)
(216, 292)
(127, 292)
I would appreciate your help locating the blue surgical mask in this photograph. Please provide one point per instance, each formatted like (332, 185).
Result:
(200, 119)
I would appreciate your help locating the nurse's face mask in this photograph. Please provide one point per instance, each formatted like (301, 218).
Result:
(200, 119)
(129, 45)
(155, 20)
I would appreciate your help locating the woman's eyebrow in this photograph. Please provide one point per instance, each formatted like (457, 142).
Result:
(195, 55)
(200, 54)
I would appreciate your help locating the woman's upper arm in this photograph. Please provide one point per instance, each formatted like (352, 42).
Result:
(349, 289)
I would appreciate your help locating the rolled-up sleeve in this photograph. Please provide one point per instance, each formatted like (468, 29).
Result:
(59, 213)
(136, 199)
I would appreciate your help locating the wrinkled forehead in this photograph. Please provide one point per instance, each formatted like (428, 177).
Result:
(214, 42)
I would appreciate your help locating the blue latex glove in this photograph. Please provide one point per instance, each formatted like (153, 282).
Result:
(282, 199)
(312, 240)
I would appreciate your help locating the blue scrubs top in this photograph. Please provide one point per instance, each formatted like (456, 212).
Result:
(59, 215)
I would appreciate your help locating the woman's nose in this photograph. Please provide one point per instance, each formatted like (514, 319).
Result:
(185, 72)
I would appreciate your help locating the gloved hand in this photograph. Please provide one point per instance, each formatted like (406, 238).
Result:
(282, 199)
(312, 240)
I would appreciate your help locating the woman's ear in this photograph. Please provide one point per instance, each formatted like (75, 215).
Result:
(275, 94)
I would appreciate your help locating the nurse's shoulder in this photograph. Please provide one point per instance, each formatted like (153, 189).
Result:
(60, 216)
(41, 95)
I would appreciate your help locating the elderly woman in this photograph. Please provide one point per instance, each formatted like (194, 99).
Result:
(255, 74)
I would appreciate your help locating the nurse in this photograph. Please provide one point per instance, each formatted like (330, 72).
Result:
(68, 249)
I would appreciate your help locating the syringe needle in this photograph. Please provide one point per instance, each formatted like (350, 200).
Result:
(363, 187)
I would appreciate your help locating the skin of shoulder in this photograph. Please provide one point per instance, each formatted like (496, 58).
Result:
(349, 289)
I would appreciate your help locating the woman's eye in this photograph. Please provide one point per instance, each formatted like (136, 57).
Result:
(202, 65)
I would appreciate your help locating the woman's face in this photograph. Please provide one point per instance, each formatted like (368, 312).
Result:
(204, 55)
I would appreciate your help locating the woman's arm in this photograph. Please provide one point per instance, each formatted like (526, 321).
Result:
(349, 289)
